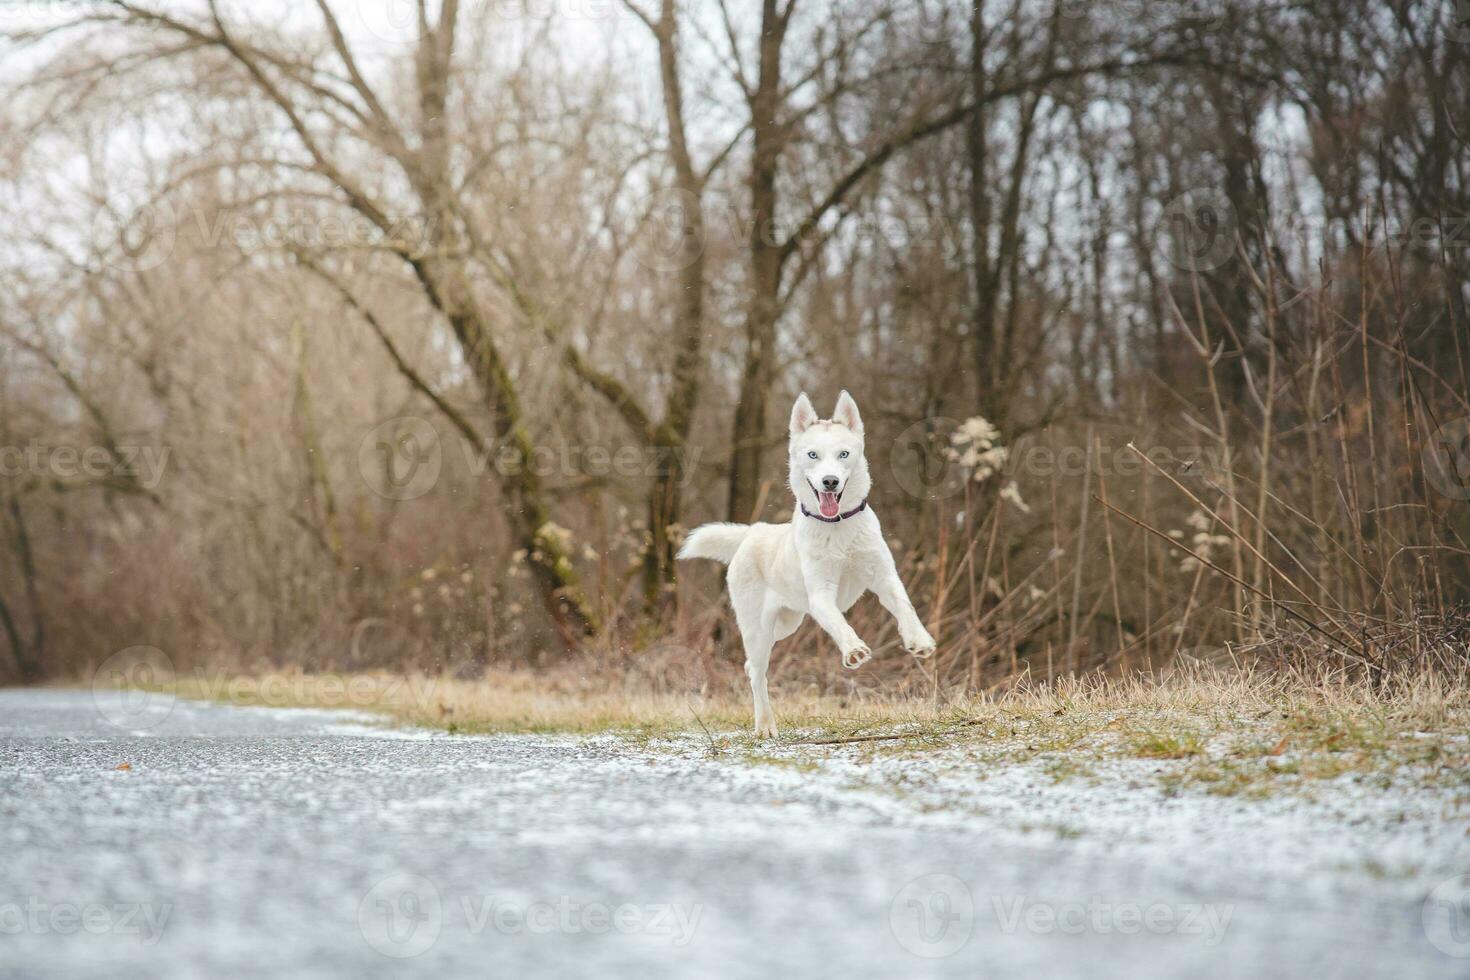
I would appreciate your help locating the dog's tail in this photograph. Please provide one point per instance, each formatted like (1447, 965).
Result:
(717, 541)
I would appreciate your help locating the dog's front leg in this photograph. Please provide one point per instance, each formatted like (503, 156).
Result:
(823, 603)
(895, 598)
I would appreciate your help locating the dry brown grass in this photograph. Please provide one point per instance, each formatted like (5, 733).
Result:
(530, 701)
(1224, 732)
(1180, 707)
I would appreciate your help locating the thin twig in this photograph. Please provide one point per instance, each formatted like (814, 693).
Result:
(714, 749)
(1238, 581)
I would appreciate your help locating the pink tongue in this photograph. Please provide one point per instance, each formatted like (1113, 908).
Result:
(827, 502)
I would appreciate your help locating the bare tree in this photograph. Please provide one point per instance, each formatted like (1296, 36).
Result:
(323, 110)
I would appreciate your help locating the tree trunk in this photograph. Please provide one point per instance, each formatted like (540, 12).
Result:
(529, 515)
(27, 667)
(28, 656)
(766, 249)
(983, 282)
(446, 278)
(672, 434)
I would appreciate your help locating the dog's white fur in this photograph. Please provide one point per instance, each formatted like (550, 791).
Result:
(780, 573)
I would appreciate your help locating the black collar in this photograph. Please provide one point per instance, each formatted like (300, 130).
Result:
(840, 517)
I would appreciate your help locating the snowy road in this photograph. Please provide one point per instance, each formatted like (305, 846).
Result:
(304, 844)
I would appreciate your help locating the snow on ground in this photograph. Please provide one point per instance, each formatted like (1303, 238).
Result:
(243, 841)
(1385, 833)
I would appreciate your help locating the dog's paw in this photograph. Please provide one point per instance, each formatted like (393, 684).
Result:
(920, 647)
(856, 657)
(766, 727)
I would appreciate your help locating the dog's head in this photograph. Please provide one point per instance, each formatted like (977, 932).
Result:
(829, 473)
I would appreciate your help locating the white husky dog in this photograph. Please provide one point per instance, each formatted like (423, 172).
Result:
(821, 563)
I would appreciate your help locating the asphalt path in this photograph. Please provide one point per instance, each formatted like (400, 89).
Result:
(152, 838)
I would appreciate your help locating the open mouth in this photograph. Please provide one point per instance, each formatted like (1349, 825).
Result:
(828, 501)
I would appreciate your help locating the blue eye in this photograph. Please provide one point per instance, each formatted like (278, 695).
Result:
(844, 454)
(812, 454)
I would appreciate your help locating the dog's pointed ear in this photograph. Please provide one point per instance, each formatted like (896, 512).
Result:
(846, 412)
(802, 414)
